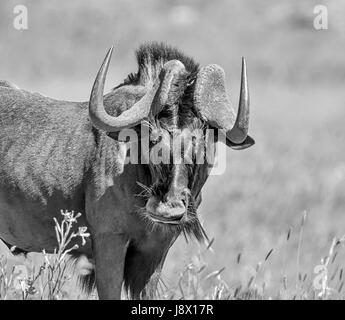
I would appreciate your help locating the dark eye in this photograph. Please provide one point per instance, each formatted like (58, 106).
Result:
(159, 139)
(156, 137)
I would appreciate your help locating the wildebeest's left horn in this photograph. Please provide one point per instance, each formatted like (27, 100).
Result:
(212, 102)
(141, 109)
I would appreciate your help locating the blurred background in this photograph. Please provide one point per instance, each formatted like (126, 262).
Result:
(296, 77)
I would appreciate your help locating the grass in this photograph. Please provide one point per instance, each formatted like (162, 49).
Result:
(48, 280)
(52, 279)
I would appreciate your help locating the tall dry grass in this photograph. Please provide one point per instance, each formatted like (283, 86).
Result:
(52, 280)
(47, 281)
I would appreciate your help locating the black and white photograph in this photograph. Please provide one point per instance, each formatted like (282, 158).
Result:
(175, 150)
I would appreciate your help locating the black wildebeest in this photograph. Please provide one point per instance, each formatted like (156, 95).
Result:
(68, 155)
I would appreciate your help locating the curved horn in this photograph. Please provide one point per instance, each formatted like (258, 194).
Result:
(141, 109)
(214, 106)
(101, 119)
(239, 131)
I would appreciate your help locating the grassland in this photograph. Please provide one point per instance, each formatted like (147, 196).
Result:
(297, 166)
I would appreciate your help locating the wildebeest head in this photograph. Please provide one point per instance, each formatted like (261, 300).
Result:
(178, 103)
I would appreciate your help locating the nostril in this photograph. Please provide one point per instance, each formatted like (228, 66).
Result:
(177, 204)
(172, 210)
(177, 209)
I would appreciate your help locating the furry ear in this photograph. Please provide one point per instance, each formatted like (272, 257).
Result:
(248, 142)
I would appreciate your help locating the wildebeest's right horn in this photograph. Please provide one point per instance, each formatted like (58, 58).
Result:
(141, 109)
(212, 102)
